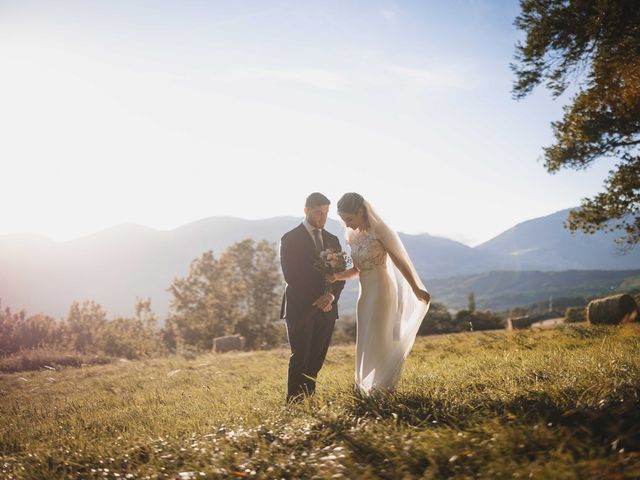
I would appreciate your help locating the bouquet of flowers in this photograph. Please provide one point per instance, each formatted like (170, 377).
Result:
(331, 261)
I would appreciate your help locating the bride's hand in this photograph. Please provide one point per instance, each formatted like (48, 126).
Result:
(331, 277)
(423, 295)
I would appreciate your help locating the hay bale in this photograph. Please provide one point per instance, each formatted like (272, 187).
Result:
(575, 314)
(612, 310)
(228, 343)
(518, 323)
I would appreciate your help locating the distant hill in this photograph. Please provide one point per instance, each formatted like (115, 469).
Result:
(544, 244)
(116, 265)
(506, 289)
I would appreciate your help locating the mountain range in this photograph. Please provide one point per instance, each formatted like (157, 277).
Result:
(116, 265)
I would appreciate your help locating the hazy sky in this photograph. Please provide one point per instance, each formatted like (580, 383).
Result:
(162, 113)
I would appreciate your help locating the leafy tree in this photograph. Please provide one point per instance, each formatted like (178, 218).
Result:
(593, 46)
(198, 304)
(236, 293)
(262, 291)
(518, 312)
(9, 324)
(169, 335)
(144, 314)
(132, 338)
(84, 324)
(37, 331)
(472, 302)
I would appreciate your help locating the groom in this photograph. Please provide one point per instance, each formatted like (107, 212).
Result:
(309, 313)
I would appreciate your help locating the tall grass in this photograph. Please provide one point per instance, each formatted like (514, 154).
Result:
(547, 404)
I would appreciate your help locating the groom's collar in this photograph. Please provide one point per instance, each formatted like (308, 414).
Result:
(310, 228)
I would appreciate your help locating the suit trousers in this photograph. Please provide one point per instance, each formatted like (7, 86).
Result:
(309, 338)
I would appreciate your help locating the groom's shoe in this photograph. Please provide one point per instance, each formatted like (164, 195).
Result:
(291, 399)
(299, 395)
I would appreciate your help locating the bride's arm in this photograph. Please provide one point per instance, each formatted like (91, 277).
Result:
(406, 273)
(346, 275)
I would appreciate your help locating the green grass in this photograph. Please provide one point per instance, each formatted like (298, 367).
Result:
(545, 404)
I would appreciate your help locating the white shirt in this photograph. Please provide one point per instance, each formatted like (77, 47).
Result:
(310, 228)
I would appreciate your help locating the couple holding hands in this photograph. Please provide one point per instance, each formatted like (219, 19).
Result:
(391, 305)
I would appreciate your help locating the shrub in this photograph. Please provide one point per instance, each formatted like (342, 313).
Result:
(36, 359)
(439, 320)
(575, 315)
(477, 320)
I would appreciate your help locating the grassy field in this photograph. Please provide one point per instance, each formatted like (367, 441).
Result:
(559, 403)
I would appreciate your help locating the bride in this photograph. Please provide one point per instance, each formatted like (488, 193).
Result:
(392, 301)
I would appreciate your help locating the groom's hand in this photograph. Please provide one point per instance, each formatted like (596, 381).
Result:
(325, 302)
(328, 307)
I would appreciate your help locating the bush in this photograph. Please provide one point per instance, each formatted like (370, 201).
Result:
(40, 358)
(486, 320)
(130, 338)
(18, 332)
(86, 330)
(439, 320)
(575, 315)
(260, 335)
(345, 331)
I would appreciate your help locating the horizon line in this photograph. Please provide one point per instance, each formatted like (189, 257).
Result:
(231, 217)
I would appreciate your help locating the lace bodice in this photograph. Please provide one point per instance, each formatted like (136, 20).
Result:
(367, 251)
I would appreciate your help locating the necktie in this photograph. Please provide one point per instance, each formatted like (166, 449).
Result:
(318, 239)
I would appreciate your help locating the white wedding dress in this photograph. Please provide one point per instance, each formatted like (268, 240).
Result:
(388, 314)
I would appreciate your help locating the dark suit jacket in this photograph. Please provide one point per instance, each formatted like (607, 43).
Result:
(305, 284)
